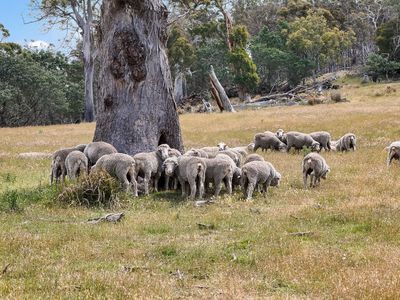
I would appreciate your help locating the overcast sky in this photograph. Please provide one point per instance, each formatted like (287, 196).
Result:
(13, 15)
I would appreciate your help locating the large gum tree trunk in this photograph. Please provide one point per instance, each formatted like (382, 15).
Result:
(136, 111)
(89, 71)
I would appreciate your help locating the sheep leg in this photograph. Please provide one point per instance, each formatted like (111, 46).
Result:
(156, 178)
(228, 184)
(146, 181)
(305, 176)
(193, 188)
(217, 184)
(312, 178)
(183, 186)
(201, 187)
(250, 190)
(133, 183)
(166, 185)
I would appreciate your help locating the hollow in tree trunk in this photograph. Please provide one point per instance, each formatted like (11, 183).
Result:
(136, 110)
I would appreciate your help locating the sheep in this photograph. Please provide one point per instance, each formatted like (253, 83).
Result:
(196, 152)
(237, 172)
(268, 140)
(191, 170)
(258, 172)
(299, 140)
(281, 135)
(222, 146)
(315, 166)
(174, 152)
(149, 165)
(219, 169)
(171, 171)
(120, 166)
(393, 152)
(211, 151)
(95, 150)
(323, 138)
(243, 150)
(253, 157)
(346, 142)
(234, 155)
(76, 164)
(58, 169)
(80, 147)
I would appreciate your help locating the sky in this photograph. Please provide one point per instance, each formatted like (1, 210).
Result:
(13, 15)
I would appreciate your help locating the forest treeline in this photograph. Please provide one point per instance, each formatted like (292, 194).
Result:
(255, 46)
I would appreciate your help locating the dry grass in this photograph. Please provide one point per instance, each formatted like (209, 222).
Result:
(159, 251)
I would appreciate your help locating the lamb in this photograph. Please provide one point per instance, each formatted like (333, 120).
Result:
(315, 166)
(196, 152)
(171, 171)
(268, 140)
(95, 150)
(58, 169)
(76, 164)
(346, 142)
(299, 140)
(393, 152)
(219, 169)
(191, 170)
(258, 172)
(120, 166)
(253, 157)
(323, 138)
(149, 165)
(237, 172)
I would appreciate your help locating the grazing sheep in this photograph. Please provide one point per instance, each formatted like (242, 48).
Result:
(211, 151)
(76, 164)
(268, 140)
(171, 171)
(58, 169)
(315, 166)
(219, 169)
(191, 170)
(80, 147)
(174, 152)
(197, 153)
(222, 146)
(393, 152)
(253, 157)
(95, 150)
(346, 142)
(237, 172)
(234, 155)
(149, 165)
(323, 138)
(258, 172)
(280, 134)
(299, 140)
(120, 166)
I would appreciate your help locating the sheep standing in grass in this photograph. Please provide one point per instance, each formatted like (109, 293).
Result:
(258, 172)
(253, 157)
(315, 166)
(281, 135)
(237, 172)
(393, 152)
(95, 150)
(298, 140)
(346, 142)
(120, 166)
(171, 171)
(268, 140)
(192, 171)
(149, 166)
(58, 168)
(218, 170)
(323, 138)
(76, 164)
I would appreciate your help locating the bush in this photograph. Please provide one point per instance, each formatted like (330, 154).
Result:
(336, 96)
(97, 189)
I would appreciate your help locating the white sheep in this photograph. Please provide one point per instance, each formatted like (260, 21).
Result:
(393, 152)
(76, 164)
(95, 150)
(315, 166)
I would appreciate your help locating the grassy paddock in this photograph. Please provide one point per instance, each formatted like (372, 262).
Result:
(159, 251)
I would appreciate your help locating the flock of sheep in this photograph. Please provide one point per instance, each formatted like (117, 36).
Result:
(196, 169)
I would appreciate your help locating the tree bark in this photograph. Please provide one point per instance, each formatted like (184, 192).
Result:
(218, 93)
(89, 71)
(136, 110)
(180, 88)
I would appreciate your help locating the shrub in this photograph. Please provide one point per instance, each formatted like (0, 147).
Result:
(96, 189)
(336, 96)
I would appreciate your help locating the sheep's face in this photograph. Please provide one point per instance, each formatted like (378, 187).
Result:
(222, 146)
(169, 166)
(250, 146)
(276, 180)
(279, 133)
(163, 151)
(192, 152)
(325, 175)
(315, 146)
